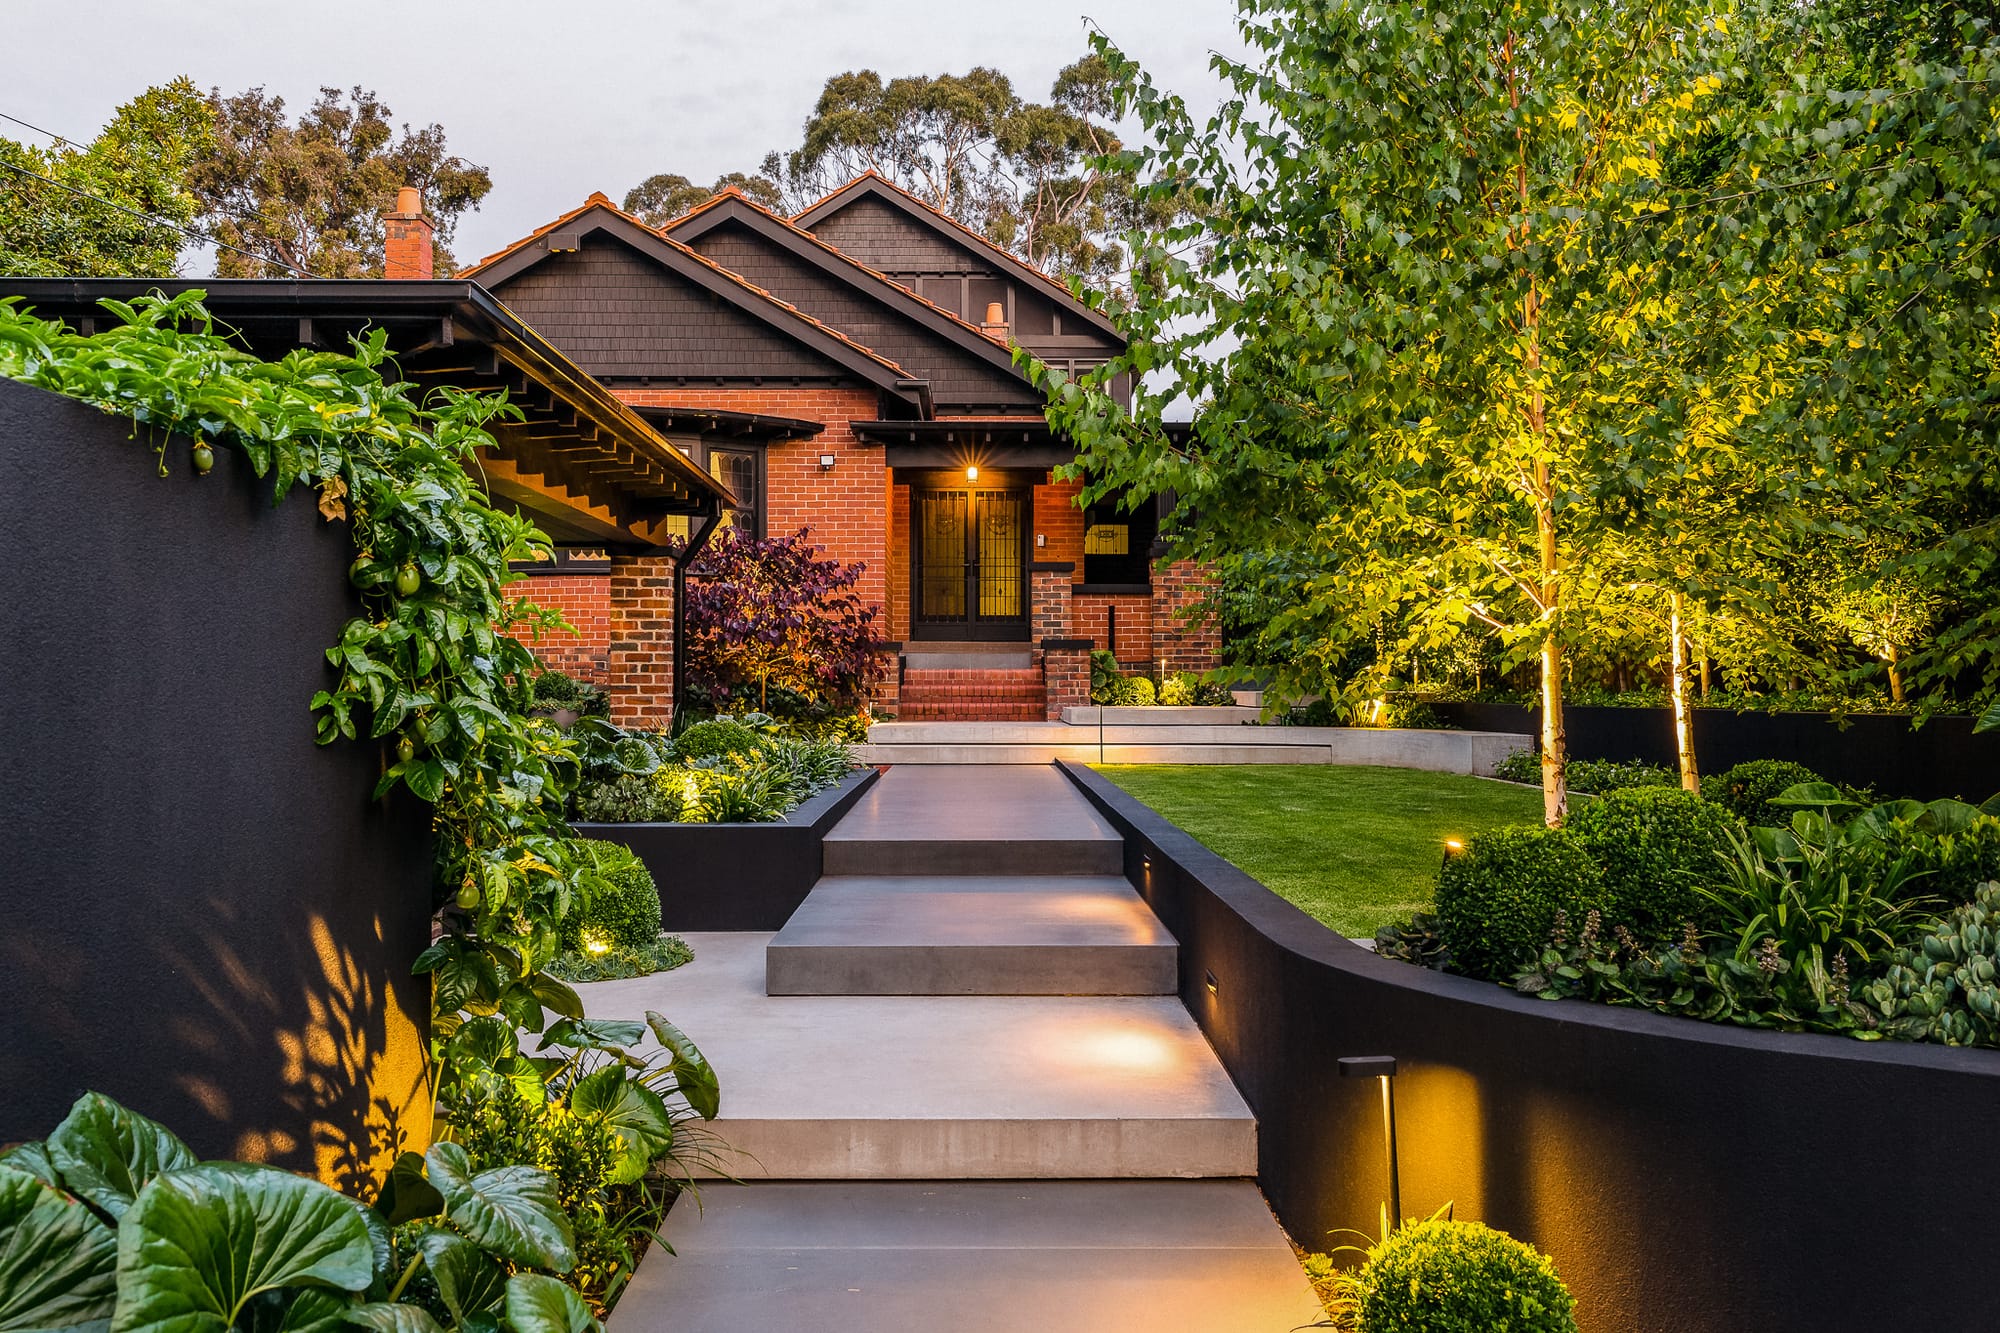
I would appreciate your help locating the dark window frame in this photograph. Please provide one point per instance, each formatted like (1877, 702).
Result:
(757, 504)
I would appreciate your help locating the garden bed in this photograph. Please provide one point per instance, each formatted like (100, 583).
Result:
(1682, 1175)
(736, 876)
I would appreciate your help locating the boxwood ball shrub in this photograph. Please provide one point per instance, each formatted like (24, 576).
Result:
(1747, 789)
(626, 910)
(1497, 900)
(716, 736)
(1443, 1276)
(1655, 846)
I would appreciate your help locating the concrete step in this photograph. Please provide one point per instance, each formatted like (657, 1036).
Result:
(972, 935)
(1131, 1256)
(858, 1087)
(973, 820)
(942, 755)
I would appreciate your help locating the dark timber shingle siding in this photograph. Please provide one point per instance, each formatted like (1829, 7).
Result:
(619, 315)
(958, 379)
(889, 242)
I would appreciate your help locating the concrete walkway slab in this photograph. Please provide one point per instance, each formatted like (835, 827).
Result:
(945, 1087)
(1139, 1256)
(973, 820)
(972, 935)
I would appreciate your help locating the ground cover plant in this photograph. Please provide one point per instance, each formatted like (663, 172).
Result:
(721, 770)
(1356, 848)
(430, 671)
(1446, 1276)
(1111, 685)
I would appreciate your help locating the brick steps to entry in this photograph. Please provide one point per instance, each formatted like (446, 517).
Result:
(970, 694)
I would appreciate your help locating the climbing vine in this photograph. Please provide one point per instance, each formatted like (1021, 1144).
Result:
(431, 669)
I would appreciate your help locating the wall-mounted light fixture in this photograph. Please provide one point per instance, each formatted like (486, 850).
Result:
(1382, 1068)
(972, 473)
(826, 462)
(1208, 980)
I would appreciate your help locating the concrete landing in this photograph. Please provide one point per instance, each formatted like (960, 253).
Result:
(943, 744)
(972, 935)
(1141, 1256)
(946, 1087)
(973, 820)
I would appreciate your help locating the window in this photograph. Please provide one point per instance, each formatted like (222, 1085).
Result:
(1118, 542)
(742, 471)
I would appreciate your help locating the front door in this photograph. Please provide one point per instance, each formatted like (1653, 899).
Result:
(970, 565)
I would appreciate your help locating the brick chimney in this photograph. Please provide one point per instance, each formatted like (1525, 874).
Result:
(994, 325)
(407, 251)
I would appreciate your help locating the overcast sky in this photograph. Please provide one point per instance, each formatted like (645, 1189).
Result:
(561, 98)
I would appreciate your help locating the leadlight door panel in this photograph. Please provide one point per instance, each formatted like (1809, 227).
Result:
(970, 565)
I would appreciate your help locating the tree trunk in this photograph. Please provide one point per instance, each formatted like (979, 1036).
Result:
(1677, 685)
(1704, 674)
(1895, 676)
(1555, 749)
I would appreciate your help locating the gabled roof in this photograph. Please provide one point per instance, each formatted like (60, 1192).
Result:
(597, 213)
(873, 185)
(732, 205)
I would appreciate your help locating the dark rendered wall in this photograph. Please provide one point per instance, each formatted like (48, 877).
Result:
(1942, 758)
(201, 912)
(1684, 1177)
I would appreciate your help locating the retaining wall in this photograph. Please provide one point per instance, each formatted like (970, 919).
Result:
(1685, 1177)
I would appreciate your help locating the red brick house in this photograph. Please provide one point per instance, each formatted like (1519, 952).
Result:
(850, 370)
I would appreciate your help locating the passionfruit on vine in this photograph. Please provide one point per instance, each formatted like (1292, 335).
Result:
(468, 896)
(406, 749)
(408, 580)
(204, 457)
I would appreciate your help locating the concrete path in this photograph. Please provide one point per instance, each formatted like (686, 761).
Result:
(965, 1092)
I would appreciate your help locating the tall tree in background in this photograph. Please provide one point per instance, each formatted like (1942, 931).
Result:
(310, 196)
(140, 162)
(658, 200)
(1029, 176)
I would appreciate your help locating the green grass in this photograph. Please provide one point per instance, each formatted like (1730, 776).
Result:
(1357, 848)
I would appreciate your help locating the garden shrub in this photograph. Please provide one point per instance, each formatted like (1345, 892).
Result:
(624, 798)
(1746, 790)
(1946, 986)
(1655, 847)
(555, 690)
(625, 910)
(1950, 865)
(717, 736)
(1497, 900)
(1177, 691)
(1136, 692)
(1445, 1276)
(1106, 683)
(1599, 776)
(1520, 766)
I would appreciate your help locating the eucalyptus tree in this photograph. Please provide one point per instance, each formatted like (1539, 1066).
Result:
(1420, 229)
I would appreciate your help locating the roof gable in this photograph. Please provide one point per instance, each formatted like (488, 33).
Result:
(927, 230)
(965, 366)
(625, 300)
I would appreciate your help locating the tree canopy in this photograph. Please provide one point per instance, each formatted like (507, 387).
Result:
(309, 195)
(1535, 323)
(114, 207)
(660, 199)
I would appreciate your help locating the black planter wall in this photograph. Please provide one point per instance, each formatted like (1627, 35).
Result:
(205, 916)
(1939, 759)
(1684, 1177)
(736, 876)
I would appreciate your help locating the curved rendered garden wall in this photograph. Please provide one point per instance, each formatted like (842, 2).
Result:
(204, 915)
(1684, 1177)
(1942, 758)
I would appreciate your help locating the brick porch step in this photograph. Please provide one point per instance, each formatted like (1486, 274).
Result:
(972, 694)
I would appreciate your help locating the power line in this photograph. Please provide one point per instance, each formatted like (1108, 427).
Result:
(158, 221)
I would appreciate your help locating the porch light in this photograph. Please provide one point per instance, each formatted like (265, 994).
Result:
(972, 473)
(1383, 1069)
(826, 462)
(1452, 847)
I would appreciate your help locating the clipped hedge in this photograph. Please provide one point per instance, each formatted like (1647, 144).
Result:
(717, 736)
(1443, 1276)
(1497, 900)
(1747, 790)
(1655, 847)
(625, 912)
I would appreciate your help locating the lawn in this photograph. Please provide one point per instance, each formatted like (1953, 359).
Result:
(1355, 847)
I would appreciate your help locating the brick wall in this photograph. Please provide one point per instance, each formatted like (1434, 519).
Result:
(1059, 521)
(1065, 675)
(1182, 639)
(846, 508)
(585, 601)
(899, 564)
(639, 672)
(1089, 620)
(1049, 612)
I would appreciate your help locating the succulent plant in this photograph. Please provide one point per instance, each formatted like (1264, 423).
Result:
(1946, 987)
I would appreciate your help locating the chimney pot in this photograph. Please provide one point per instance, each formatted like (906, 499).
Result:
(407, 246)
(995, 324)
